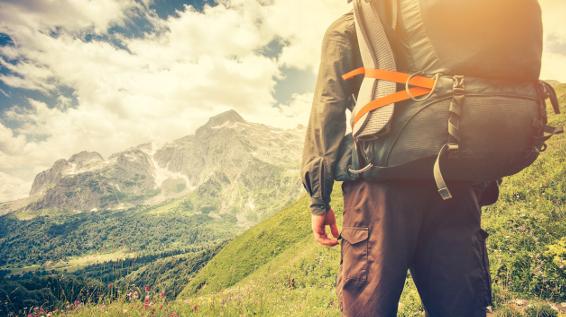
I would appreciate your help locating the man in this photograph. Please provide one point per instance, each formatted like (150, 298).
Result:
(389, 227)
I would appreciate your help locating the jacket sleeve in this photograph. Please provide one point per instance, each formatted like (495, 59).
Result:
(327, 123)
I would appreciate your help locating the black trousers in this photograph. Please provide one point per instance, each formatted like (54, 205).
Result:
(393, 227)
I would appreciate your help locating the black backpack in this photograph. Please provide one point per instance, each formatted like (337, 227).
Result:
(451, 90)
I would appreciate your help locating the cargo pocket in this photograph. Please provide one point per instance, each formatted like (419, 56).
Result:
(354, 254)
(482, 237)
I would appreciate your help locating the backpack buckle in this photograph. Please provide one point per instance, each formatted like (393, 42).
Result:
(408, 89)
(445, 193)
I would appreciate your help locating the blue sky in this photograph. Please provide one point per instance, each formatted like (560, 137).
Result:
(105, 75)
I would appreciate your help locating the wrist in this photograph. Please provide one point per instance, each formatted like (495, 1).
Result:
(319, 210)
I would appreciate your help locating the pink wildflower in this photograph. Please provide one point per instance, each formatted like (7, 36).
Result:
(146, 302)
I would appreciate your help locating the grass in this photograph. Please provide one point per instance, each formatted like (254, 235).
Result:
(250, 251)
(78, 262)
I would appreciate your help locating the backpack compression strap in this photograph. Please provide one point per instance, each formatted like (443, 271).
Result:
(422, 86)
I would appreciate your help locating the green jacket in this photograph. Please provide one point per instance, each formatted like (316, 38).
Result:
(325, 138)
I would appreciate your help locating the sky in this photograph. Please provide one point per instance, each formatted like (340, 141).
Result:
(106, 75)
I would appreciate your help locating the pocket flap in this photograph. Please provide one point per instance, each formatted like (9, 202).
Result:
(354, 234)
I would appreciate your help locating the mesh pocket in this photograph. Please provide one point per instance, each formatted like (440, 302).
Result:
(422, 135)
(497, 126)
(496, 137)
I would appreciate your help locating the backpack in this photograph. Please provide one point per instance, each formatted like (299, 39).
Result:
(451, 90)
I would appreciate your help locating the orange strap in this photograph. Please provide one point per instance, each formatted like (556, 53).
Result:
(397, 77)
(389, 99)
(423, 86)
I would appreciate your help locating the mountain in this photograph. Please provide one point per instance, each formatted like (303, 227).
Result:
(151, 214)
(236, 167)
(87, 182)
(229, 166)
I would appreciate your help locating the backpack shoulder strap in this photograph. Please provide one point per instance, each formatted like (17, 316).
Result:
(376, 53)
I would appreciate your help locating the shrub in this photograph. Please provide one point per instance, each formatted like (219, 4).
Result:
(541, 310)
(508, 311)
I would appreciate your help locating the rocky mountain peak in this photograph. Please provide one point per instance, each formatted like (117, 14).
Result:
(224, 117)
(219, 120)
(75, 164)
(85, 157)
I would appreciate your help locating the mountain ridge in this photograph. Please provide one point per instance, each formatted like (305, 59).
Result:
(246, 154)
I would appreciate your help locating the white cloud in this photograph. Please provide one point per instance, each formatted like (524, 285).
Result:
(72, 15)
(167, 83)
(554, 59)
(302, 24)
(284, 116)
(17, 188)
(10, 144)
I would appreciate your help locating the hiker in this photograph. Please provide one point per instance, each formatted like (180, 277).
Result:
(422, 211)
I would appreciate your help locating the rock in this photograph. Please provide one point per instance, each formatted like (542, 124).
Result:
(230, 166)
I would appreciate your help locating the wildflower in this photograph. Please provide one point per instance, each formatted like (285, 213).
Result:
(147, 288)
(162, 294)
(146, 302)
(173, 314)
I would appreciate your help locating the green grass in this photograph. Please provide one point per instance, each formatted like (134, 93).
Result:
(250, 251)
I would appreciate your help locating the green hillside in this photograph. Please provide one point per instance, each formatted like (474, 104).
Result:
(250, 251)
(50, 259)
(276, 269)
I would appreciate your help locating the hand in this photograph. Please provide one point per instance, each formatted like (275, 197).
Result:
(319, 223)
